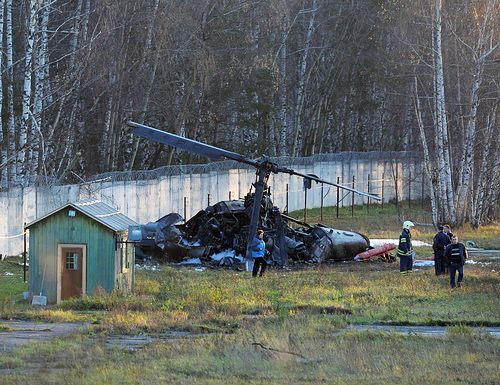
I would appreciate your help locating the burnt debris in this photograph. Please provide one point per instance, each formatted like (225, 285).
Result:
(219, 235)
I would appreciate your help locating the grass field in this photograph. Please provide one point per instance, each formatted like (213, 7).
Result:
(287, 327)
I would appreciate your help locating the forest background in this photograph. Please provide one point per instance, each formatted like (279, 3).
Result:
(275, 77)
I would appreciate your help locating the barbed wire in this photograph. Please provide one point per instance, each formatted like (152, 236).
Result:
(166, 171)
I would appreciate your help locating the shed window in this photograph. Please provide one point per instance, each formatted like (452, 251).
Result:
(71, 260)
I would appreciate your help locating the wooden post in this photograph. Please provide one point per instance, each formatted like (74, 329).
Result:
(185, 209)
(208, 199)
(338, 195)
(321, 208)
(352, 203)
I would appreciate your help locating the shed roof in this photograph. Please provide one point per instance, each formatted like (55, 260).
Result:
(98, 211)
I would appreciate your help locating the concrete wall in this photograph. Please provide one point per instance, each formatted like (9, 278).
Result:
(146, 200)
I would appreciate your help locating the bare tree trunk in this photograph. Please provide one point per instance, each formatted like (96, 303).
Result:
(41, 66)
(442, 125)
(3, 133)
(73, 48)
(467, 160)
(146, 53)
(25, 150)
(431, 178)
(283, 106)
(486, 175)
(302, 79)
(11, 152)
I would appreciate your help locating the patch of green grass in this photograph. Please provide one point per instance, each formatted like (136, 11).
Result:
(11, 280)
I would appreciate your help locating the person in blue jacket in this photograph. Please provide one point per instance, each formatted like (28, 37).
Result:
(441, 240)
(405, 249)
(258, 250)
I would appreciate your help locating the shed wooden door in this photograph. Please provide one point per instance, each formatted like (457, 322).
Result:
(72, 259)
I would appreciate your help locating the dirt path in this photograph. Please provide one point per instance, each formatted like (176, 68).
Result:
(15, 333)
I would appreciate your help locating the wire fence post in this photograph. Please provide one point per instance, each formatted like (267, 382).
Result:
(396, 189)
(409, 189)
(382, 193)
(185, 209)
(208, 199)
(286, 199)
(24, 252)
(229, 195)
(422, 193)
(338, 195)
(321, 207)
(368, 205)
(352, 202)
(305, 204)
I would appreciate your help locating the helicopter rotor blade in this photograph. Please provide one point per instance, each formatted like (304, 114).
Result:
(215, 153)
(186, 144)
(319, 180)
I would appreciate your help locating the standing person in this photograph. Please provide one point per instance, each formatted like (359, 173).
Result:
(405, 249)
(258, 248)
(456, 253)
(441, 240)
(447, 231)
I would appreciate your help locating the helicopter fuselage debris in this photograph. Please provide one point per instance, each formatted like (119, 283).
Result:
(225, 225)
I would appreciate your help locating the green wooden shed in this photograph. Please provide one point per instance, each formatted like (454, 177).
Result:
(77, 248)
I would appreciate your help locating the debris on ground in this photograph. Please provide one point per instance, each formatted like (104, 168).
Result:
(423, 263)
(217, 236)
(380, 253)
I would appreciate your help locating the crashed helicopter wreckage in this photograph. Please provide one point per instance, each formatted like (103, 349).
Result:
(219, 234)
(232, 224)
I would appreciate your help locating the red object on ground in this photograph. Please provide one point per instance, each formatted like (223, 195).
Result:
(381, 250)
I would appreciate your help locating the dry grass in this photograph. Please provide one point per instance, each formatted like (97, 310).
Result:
(301, 349)
(282, 328)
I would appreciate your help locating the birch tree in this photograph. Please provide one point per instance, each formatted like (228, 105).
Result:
(146, 56)
(443, 145)
(484, 47)
(429, 173)
(41, 79)
(3, 132)
(302, 77)
(487, 180)
(11, 134)
(25, 137)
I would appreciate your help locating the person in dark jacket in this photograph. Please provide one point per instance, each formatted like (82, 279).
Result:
(405, 249)
(447, 231)
(441, 240)
(258, 250)
(456, 254)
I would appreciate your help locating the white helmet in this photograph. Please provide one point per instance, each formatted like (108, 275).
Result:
(407, 225)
